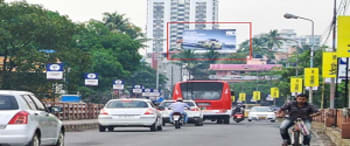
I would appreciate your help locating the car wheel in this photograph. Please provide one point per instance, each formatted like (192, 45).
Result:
(273, 121)
(110, 129)
(249, 120)
(227, 120)
(35, 141)
(219, 121)
(102, 128)
(163, 123)
(60, 140)
(153, 127)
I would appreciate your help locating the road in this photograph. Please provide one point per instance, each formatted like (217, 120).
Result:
(260, 133)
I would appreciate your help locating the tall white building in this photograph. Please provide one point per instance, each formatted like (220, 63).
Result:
(160, 12)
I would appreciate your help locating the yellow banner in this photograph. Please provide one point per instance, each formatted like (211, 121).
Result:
(233, 98)
(311, 77)
(256, 95)
(296, 85)
(275, 93)
(343, 49)
(329, 65)
(242, 97)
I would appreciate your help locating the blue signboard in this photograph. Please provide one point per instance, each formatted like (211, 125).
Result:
(91, 79)
(54, 71)
(70, 98)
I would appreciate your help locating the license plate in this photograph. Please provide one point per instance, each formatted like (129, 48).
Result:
(262, 117)
(125, 117)
(2, 126)
(176, 117)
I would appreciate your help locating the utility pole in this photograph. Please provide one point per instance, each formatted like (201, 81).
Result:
(333, 86)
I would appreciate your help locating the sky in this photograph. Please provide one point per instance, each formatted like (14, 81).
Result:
(265, 15)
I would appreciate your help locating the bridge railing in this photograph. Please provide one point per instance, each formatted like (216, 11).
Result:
(77, 111)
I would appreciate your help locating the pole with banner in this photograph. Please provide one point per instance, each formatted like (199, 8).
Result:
(311, 80)
(242, 97)
(275, 93)
(296, 86)
(118, 85)
(344, 49)
(256, 96)
(329, 72)
(54, 72)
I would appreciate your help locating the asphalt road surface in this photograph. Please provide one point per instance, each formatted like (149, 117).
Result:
(259, 133)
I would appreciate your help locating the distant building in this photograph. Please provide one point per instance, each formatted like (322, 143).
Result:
(159, 13)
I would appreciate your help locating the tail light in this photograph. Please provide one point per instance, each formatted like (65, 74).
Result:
(19, 118)
(103, 112)
(195, 109)
(149, 112)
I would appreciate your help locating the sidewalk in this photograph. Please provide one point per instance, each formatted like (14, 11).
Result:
(80, 125)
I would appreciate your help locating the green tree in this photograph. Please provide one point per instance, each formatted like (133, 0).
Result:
(118, 23)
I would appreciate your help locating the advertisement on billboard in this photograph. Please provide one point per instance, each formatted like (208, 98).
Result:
(220, 40)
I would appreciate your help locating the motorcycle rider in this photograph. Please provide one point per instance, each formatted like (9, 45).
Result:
(297, 109)
(239, 109)
(179, 107)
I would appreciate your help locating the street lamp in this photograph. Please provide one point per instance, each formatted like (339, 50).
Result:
(291, 16)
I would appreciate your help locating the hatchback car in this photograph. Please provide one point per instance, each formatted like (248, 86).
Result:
(195, 114)
(129, 113)
(262, 113)
(24, 120)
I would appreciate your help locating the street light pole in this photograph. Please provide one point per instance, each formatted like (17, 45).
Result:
(291, 16)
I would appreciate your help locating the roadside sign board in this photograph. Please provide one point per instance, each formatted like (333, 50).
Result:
(343, 49)
(54, 71)
(329, 65)
(91, 79)
(296, 85)
(311, 77)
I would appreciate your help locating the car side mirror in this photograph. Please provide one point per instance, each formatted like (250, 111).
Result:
(55, 109)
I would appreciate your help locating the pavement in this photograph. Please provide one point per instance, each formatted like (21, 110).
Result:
(256, 133)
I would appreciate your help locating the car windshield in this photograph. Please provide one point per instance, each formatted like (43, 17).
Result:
(201, 91)
(8, 103)
(261, 109)
(190, 103)
(127, 104)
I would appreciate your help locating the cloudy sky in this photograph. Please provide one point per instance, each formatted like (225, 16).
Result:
(264, 14)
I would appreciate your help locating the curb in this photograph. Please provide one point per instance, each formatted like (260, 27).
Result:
(80, 127)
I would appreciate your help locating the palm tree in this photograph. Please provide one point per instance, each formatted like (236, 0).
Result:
(118, 23)
(273, 40)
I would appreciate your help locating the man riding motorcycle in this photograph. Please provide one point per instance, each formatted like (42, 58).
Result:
(179, 107)
(239, 109)
(297, 109)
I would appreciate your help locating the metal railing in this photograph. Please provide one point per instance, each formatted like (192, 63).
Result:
(77, 111)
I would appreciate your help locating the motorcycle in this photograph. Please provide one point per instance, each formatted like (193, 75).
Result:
(238, 117)
(178, 120)
(297, 132)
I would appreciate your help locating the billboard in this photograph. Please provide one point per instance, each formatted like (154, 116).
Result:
(220, 40)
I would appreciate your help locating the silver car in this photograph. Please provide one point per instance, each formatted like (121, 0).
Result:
(24, 120)
(129, 113)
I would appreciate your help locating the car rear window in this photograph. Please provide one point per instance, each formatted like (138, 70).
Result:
(166, 104)
(261, 109)
(8, 103)
(127, 104)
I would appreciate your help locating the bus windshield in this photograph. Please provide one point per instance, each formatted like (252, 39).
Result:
(201, 90)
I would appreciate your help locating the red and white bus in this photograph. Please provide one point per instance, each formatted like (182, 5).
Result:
(213, 97)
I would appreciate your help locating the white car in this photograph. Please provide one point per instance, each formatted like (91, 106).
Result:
(129, 112)
(262, 113)
(195, 114)
(24, 120)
